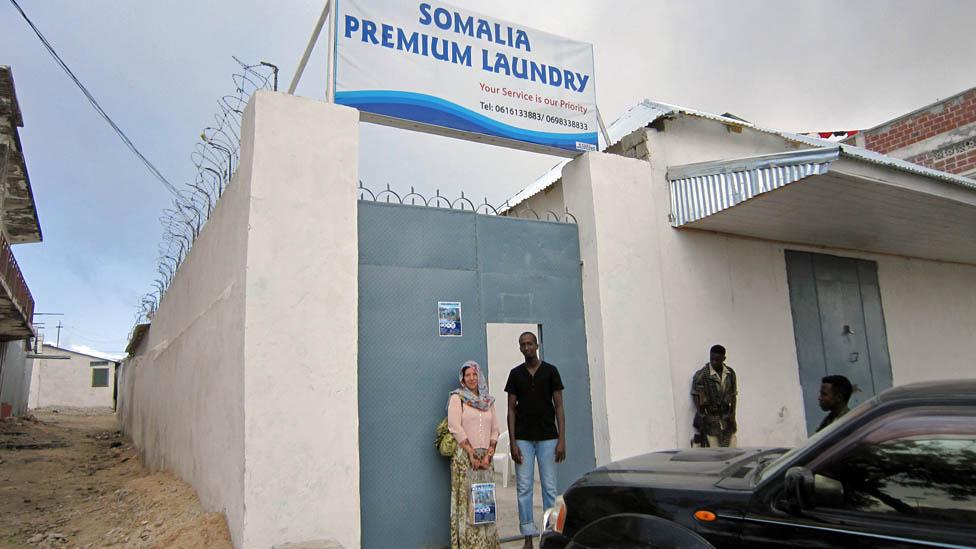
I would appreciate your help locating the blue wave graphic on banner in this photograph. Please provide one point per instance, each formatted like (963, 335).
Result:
(427, 109)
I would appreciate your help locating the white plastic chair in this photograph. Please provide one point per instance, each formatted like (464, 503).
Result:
(503, 457)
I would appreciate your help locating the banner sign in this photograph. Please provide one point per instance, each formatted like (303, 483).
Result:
(447, 70)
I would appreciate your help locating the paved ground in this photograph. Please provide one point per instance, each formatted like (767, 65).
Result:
(507, 503)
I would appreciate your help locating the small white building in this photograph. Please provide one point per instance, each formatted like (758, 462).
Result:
(802, 256)
(77, 381)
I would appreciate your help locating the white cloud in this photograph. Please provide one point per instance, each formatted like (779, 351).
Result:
(85, 349)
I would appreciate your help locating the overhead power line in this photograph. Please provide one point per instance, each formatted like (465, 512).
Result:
(98, 108)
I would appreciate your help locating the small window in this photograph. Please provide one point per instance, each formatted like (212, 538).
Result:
(98, 363)
(99, 377)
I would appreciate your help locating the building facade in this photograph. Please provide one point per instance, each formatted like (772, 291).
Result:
(803, 257)
(65, 378)
(18, 225)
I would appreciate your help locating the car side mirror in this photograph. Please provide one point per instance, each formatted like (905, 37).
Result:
(828, 492)
(799, 488)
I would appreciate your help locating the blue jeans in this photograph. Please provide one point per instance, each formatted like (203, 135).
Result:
(543, 451)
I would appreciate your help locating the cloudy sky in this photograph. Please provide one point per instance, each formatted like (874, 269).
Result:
(158, 69)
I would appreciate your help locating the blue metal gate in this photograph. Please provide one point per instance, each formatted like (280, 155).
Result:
(501, 269)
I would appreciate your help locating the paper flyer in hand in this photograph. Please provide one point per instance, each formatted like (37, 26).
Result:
(483, 503)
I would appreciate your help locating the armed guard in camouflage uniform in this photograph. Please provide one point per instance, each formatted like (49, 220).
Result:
(714, 390)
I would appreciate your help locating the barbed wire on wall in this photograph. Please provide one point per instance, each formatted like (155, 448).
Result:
(413, 198)
(215, 158)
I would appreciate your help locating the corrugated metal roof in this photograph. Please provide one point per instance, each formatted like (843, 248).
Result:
(872, 157)
(636, 117)
(647, 112)
(702, 189)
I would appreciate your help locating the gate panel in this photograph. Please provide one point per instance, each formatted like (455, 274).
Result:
(405, 373)
(410, 258)
(842, 323)
(806, 332)
(838, 325)
(501, 270)
(413, 236)
(875, 331)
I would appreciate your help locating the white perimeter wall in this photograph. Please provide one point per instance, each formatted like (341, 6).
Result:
(544, 204)
(15, 376)
(225, 390)
(930, 314)
(69, 382)
(657, 298)
(301, 331)
(181, 394)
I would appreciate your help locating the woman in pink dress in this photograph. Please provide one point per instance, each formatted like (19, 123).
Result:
(472, 421)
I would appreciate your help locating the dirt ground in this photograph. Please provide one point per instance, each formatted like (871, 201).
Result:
(70, 479)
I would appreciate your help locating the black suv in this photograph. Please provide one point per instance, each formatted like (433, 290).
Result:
(897, 471)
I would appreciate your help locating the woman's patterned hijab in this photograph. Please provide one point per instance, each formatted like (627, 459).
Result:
(481, 401)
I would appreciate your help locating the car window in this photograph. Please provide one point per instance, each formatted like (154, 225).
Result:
(772, 468)
(919, 466)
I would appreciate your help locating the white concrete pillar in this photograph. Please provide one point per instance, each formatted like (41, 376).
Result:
(35, 385)
(301, 463)
(623, 300)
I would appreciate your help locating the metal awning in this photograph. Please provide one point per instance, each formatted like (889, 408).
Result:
(824, 197)
(702, 189)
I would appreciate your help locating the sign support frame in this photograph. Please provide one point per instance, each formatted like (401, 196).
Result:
(332, 6)
(603, 130)
(327, 14)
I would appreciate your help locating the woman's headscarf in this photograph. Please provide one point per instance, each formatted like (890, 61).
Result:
(481, 401)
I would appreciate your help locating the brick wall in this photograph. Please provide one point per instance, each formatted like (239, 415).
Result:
(959, 158)
(963, 163)
(937, 119)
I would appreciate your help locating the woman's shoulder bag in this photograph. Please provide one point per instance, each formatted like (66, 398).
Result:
(444, 440)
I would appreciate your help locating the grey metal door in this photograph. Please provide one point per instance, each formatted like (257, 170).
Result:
(501, 270)
(838, 325)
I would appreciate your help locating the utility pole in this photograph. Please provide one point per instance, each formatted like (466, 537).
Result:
(58, 341)
(59, 326)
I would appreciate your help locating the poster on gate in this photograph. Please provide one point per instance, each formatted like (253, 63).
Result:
(433, 67)
(449, 318)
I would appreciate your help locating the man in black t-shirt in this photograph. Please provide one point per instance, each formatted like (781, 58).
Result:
(537, 429)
